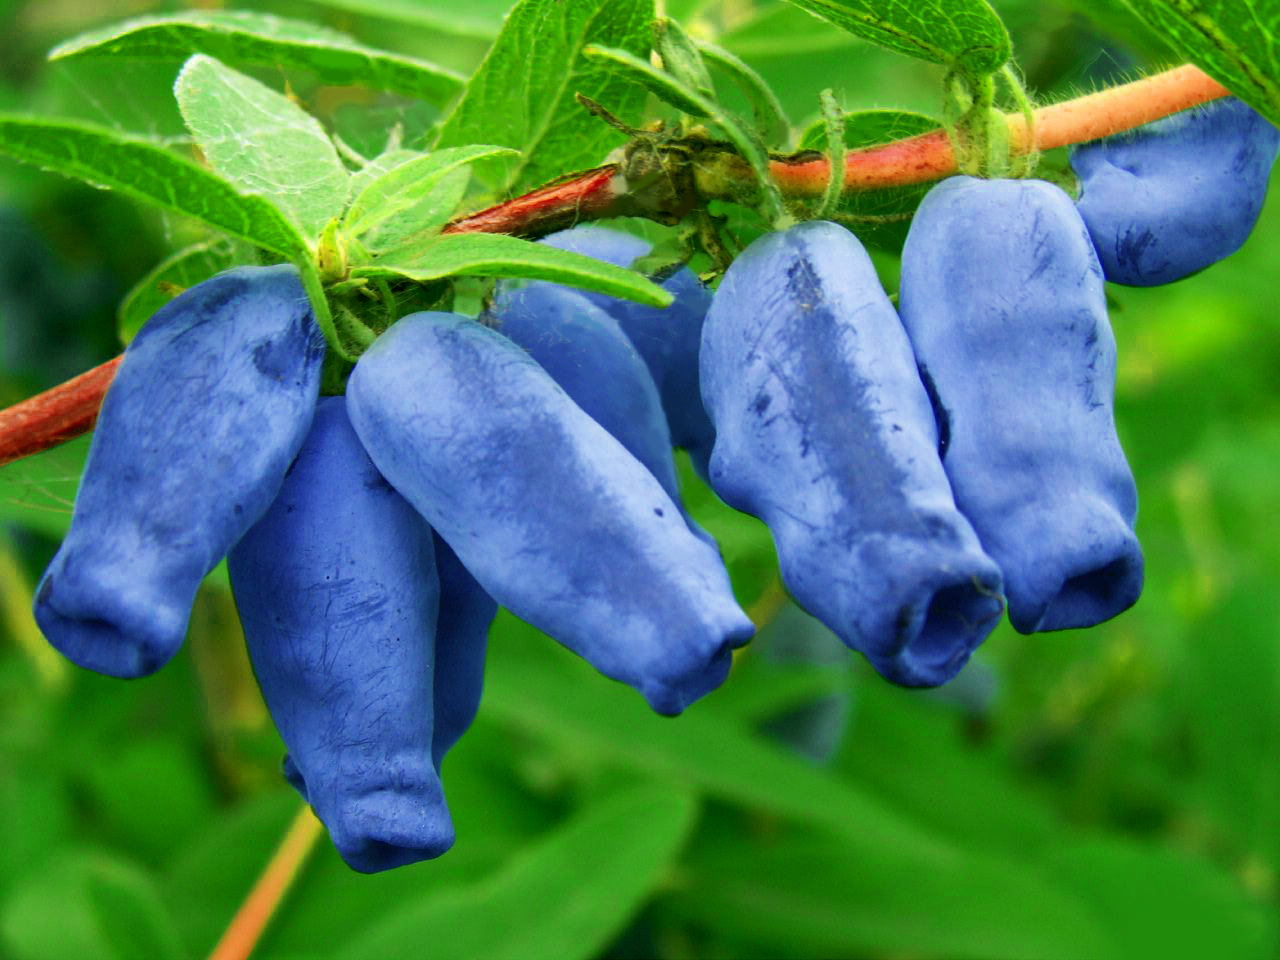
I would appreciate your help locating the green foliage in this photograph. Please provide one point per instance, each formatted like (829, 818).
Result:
(625, 843)
(1110, 793)
(1234, 43)
(262, 144)
(145, 171)
(523, 95)
(495, 255)
(254, 38)
(962, 33)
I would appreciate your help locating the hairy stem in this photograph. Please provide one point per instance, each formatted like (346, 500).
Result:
(71, 409)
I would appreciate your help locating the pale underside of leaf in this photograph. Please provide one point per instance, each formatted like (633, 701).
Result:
(262, 142)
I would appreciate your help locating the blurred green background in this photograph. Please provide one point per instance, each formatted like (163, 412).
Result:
(1104, 793)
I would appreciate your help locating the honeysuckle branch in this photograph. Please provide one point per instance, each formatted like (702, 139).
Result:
(247, 926)
(645, 186)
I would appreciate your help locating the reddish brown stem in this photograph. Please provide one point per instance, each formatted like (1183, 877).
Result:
(588, 196)
(55, 416)
(71, 409)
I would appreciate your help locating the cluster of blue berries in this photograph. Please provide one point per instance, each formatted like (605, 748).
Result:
(915, 466)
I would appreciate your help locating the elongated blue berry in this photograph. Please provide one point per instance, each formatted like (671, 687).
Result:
(1003, 298)
(668, 339)
(1177, 195)
(589, 356)
(338, 594)
(824, 431)
(553, 517)
(209, 408)
(462, 634)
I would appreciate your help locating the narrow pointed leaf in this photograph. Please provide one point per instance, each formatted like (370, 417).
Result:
(239, 36)
(1233, 42)
(496, 255)
(962, 33)
(681, 57)
(522, 96)
(403, 186)
(771, 118)
(263, 142)
(562, 898)
(141, 170)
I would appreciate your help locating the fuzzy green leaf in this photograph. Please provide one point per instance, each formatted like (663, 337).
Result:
(681, 57)
(496, 255)
(563, 898)
(522, 96)
(1233, 42)
(257, 38)
(962, 33)
(262, 142)
(771, 118)
(141, 170)
(404, 186)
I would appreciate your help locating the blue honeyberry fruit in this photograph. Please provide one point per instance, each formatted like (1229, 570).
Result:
(588, 355)
(462, 634)
(1003, 299)
(211, 404)
(668, 339)
(338, 594)
(550, 514)
(1177, 195)
(824, 431)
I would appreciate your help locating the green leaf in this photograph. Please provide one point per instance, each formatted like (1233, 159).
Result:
(564, 898)
(262, 142)
(141, 170)
(37, 492)
(496, 255)
(1233, 42)
(88, 904)
(257, 38)
(828, 895)
(186, 268)
(666, 86)
(690, 101)
(963, 33)
(1164, 903)
(879, 217)
(205, 881)
(681, 57)
(481, 19)
(541, 691)
(375, 168)
(403, 187)
(522, 96)
(771, 119)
